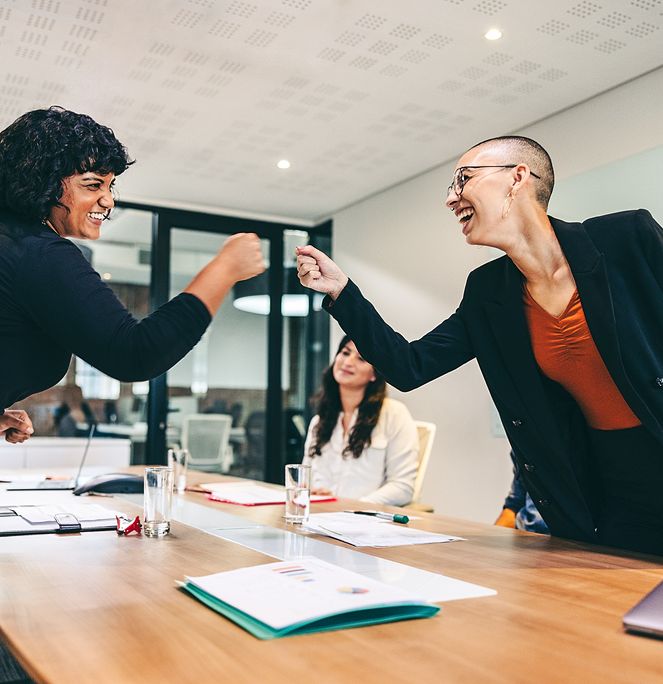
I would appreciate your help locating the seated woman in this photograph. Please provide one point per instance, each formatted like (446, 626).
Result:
(360, 444)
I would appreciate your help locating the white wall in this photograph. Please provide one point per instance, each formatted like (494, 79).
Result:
(406, 252)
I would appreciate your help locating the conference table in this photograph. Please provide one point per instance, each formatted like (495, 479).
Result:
(98, 607)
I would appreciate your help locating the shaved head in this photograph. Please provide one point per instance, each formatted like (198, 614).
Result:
(517, 149)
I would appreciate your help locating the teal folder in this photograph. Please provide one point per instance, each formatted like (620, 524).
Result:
(358, 617)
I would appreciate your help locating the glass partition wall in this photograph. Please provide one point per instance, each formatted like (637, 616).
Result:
(217, 394)
(239, 399)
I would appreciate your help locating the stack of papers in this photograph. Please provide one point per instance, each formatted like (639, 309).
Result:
(361, 530)
(42, 519)
(303, 596)
(247, 494)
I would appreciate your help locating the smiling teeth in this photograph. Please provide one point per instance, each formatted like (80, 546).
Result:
(97, 215)
(465, 214)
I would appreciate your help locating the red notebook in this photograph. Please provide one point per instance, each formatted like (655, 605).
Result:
(249, 494)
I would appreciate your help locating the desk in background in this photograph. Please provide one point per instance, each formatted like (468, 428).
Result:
(100, 608)
(48, 453)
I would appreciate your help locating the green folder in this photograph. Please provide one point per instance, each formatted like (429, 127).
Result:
(345, 619)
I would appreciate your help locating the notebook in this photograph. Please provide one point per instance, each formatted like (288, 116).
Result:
(303, 596)
(54, 484)
(646, 617)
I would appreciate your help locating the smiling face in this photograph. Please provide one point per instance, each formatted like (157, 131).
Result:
(350, 370)
(88, 201)
(480, 205)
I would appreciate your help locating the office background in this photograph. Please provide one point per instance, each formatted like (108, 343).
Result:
(371, 105)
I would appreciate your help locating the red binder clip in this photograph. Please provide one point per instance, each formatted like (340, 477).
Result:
(126, 525)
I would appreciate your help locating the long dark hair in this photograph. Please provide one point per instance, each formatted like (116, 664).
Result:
(328, 406)
(45, 146)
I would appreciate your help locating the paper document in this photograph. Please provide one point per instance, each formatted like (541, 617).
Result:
(360, 530)
(304, 596)
(247, 494)
(16, 520)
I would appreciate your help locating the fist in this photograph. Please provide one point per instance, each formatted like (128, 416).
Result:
(15, 425)
(243, 256)
(318, 272)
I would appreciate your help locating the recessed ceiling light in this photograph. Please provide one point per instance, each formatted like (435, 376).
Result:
(284, 164)
(492, 34)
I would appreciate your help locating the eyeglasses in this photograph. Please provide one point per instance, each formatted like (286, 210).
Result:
(460, 179)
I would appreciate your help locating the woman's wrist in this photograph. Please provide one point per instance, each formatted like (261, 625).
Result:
(341, 286)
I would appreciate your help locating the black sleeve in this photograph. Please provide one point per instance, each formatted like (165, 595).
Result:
(651, 237)
(68, 300)
(405, 365)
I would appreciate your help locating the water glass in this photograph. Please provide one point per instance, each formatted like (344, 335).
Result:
(178, 460)
(157, 501)
(297, 492)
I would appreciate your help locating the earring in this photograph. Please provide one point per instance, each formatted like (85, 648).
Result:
(506, 207)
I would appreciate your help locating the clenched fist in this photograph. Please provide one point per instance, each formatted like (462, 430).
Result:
(242, 257)
(15, 425)
(318, 272)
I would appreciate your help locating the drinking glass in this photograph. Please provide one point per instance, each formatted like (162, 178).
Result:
(157, 501)
(178, 460)
(297, 492)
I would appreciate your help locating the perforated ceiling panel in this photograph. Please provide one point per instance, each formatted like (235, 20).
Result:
(208, 95)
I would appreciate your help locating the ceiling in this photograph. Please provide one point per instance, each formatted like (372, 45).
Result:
(208, 95)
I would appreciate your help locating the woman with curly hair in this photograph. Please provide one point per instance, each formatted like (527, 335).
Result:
(57, 171)
(360, 445)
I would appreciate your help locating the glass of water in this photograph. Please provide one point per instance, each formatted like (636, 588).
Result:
(178, 459)
(297, 492)
(157, 501)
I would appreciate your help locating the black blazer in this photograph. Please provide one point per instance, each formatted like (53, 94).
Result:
(617, 263)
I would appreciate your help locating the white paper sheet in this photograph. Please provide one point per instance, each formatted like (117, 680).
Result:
(431, 586)
(360, 530)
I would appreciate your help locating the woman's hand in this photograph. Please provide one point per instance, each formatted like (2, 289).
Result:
(242, 257)
(239, 258)
(15, 425)
(318, 272)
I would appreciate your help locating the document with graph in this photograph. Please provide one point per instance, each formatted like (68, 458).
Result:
(307, 595)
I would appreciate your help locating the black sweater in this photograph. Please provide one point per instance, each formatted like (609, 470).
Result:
(53, 304)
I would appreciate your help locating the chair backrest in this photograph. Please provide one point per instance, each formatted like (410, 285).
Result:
(206, 436)
(426, 436)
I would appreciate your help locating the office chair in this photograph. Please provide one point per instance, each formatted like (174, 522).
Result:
(426, 433)
(207, 437)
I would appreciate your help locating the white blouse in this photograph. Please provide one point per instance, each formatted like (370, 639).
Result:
(385, 471)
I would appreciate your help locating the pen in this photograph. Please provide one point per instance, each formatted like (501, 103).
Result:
(393, 517)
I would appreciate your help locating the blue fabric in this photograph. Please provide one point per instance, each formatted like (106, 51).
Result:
(519, 501)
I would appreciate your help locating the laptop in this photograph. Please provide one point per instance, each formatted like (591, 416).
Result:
(646, 617)
(54, 484)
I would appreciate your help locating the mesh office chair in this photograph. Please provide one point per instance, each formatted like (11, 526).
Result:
(207, 436)
(426, 433)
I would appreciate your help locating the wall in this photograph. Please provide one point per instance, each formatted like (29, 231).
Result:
(405, 251)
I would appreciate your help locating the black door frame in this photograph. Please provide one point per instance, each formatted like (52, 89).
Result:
(164, 220)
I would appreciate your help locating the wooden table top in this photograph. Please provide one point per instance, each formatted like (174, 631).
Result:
(100, 608)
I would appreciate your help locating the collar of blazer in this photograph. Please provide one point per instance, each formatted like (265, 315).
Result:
(579, 249)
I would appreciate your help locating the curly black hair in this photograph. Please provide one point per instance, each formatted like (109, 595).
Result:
(329, 406)
(45, 146)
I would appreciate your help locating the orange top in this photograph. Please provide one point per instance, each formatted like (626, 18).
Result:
(565, 352)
